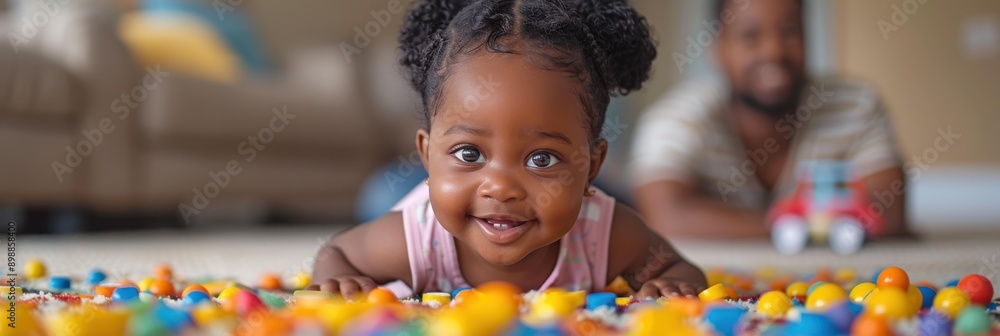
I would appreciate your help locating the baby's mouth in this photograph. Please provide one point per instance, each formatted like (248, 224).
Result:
(503, 224)
(501, 229)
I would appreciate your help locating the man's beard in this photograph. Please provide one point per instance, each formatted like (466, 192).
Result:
(776, 110)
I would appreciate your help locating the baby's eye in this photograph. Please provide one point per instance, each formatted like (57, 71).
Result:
(469, 155)
(542, 160)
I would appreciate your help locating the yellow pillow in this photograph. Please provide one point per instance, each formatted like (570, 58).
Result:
(179, 43)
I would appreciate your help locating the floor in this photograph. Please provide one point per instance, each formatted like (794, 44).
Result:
(244, 254)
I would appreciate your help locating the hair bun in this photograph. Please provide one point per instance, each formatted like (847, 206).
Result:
(622, 47)
(422, 33)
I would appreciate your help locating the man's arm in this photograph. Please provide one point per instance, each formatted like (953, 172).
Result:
(674, 209)
(888, 188)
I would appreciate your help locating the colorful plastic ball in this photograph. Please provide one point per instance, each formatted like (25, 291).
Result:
(893, 277)
(105, 290)
(915, 298)
(125, 294)
(978, 287)
(844, 276)
(952, 283)
(724, 318)
(195, 298)
(811, 324)
(843, 314)
(973, 320)
(59, 283)
(301, 280)
(716, 292)
(174, 320)
(824, 296)
(927, 284)
(96, 276)
(464, 295)
(927, 294)
(797, 289)
(934, 324)
(34, 269)
(247, 302)
(890, 303)
(951, 301)
(162, 287)
(876, 274)
(813, 287)
(269, 281)
(379, 295)
(145, 283)
(861, 291)
(774, 304)
(193, 288)
(163, 271)
(454, 293)
(229, 293)
(870, 325)
(598, 300)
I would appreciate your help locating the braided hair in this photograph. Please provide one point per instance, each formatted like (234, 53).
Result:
(604, 43)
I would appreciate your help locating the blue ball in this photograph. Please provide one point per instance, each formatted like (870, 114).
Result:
(522, 329)
(59, 283)
(173, 319)
(928, 294)
(952, 283)
(934, 324)
(96, 277)
(875, 276)
(811, 324)
(992, 306)
(454, 293)
(125, 294)
(597, 300)
(724, 319)
(194, 298)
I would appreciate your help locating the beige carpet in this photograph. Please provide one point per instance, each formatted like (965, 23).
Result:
(245, 254)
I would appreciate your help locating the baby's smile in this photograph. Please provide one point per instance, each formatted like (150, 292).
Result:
(503, 229)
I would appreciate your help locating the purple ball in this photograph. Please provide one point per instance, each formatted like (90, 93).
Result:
(842, 315)
(934, 324)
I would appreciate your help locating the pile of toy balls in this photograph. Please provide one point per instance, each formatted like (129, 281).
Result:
(823, 303)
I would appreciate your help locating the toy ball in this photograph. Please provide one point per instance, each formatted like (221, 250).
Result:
(724, 319)
(797, 289)
(893, 277)
(978, 287)
(870, 325)
(824, 296)
(973, 320)
(934, 324)
(951, 301)
(927, 294)
(774, 304)
(861, 291)
(890, 303)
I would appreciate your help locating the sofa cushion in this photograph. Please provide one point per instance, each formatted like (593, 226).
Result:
(32, 87)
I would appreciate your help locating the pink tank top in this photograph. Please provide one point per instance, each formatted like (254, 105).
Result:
(583, 253)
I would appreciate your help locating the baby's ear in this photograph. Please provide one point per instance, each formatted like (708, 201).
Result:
(598, 152)
(423, 140)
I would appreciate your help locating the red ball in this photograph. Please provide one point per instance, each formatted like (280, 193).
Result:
(978, 287)
(894, 277)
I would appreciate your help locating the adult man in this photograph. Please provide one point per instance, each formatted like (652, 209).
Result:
(710, 158)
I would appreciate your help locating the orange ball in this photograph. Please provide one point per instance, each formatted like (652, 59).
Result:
(105, 290)
(501, 289)
(732, 293)
(870, 325)
(163, 271)
(193, 288)
(162, 287)
(382, 295)
(269, 281)
(464, 295)
(893, 277)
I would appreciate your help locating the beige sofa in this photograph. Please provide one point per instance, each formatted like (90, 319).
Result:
(301, 142)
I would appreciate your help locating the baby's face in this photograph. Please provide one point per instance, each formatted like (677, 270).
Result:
(508, 155)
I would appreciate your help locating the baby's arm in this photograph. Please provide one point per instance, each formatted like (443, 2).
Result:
(648, 262)
(356, 260)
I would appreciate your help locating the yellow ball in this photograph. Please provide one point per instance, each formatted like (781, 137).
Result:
(844, 275)
(774, 304)
(890, 303)
(715, 293)
(553, 304)
(34, 269)
(301, 280)
(825, 296)
(915, 298)
(950, 301)
(797, 289)
(861, 291)
(229, 293)
(145, 283)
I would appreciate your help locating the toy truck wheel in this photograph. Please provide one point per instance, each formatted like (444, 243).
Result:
(846, 235)
(790, 234)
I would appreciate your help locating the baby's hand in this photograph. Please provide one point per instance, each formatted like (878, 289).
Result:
(656, 288)
(349, 286)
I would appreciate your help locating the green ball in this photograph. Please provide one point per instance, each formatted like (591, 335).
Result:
(973, 320)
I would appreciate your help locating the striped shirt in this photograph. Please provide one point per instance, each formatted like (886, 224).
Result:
(688, 137)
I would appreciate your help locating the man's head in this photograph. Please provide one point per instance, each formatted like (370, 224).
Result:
(761, 52)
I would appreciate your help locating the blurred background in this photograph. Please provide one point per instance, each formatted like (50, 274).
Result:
(127, 115)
